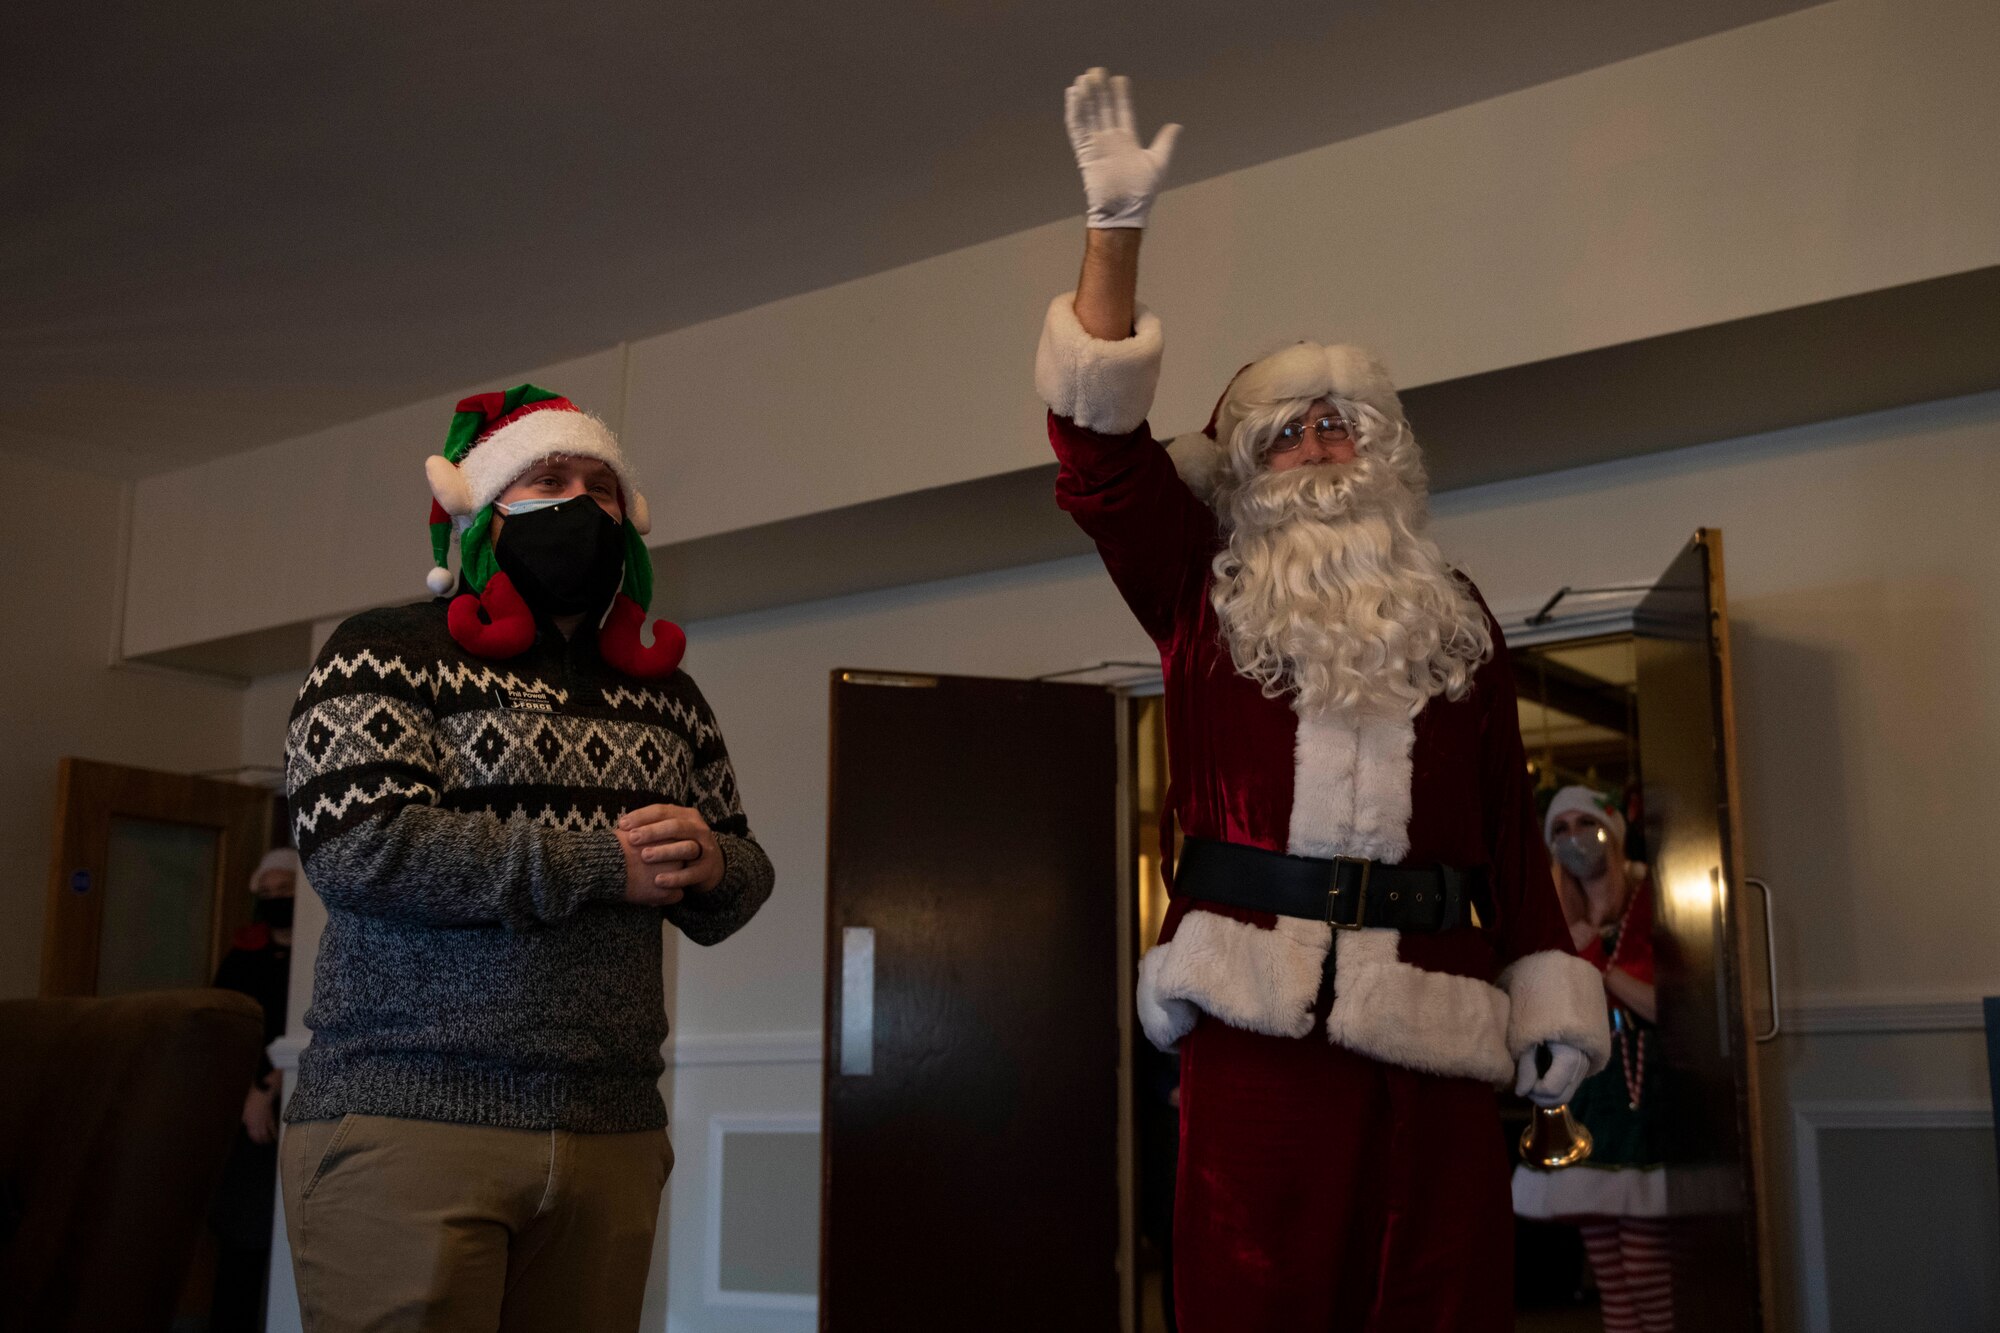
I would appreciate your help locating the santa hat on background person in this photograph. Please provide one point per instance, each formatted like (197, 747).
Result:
(278, 858)
(494, 438)
(1339, 371)
(1583, 800)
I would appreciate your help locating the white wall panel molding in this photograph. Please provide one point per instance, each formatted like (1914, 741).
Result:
(713, 1292)
(749, 1048)
(1839, 1015)
(1808, 1120)
(1816, 1017)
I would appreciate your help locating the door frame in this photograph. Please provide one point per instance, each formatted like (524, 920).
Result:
(1597, 615)
(1748, 964)
(89, 795)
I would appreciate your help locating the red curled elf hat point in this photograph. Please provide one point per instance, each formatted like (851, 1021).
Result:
(494, 438)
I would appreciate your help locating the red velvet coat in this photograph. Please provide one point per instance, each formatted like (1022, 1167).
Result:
(1449, 787)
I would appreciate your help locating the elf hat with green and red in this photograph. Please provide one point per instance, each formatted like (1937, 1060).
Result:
(494, 438)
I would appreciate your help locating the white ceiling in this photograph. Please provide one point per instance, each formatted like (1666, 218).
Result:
(225, 224)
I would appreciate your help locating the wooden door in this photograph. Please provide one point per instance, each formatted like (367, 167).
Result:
(150, 875)
(970, 1173)
(1715, 1180)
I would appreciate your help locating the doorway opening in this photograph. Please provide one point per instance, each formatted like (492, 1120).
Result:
(1578, 708)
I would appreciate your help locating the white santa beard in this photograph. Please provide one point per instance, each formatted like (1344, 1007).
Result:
(1329, 590)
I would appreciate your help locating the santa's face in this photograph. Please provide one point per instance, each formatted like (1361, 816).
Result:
(1320, 436)
(1327, 588)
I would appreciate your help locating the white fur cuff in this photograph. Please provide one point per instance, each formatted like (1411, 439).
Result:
(1405, 1015)
(1249, 977)
(1556, 996)
(1102, 386)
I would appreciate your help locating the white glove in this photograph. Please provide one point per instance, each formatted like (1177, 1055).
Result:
(1567, 1066)
(1120, 177)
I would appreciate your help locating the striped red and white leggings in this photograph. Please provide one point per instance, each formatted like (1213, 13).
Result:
(1629, 1257)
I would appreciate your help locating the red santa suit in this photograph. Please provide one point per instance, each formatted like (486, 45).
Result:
(1341, 1163)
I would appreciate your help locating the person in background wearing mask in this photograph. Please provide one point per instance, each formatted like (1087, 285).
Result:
(499, 796)
(1618, 1196)
(258, 964)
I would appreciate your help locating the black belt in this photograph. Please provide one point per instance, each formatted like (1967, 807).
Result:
(1346, 892)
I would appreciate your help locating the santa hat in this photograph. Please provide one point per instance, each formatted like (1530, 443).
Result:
(1585, 801)
(278, 858)
(494, 438)
(1339, 371)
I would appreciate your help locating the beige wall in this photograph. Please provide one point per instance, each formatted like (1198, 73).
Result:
(1747, 172)
(1865, 599)
(1865, 604)
(1835, 150)
(59, 695)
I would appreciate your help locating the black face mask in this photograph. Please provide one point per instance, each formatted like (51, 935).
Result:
(273, 912)
(565, 560)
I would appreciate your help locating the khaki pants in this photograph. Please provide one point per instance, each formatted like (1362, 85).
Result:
(405, 1225)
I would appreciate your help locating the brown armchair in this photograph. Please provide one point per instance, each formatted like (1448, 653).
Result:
(116, 1116)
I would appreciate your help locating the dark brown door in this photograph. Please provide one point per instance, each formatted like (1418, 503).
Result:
(150, 875)
(973, 992)
(1715, 1187)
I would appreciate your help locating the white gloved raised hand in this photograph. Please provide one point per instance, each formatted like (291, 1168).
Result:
(1567, 1067)
(1120, 175)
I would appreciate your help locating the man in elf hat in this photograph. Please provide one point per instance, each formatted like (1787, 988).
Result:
(499, 795)
(1363, 939)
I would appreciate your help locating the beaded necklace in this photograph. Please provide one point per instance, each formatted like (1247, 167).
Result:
(1631, 1043)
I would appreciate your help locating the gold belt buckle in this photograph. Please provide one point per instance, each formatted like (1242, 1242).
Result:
(1360, 898)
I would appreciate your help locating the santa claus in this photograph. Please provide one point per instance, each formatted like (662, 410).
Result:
(1363, 940)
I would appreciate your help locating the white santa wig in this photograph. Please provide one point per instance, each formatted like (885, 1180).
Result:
(1328, 586)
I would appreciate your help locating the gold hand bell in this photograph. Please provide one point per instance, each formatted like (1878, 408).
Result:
(1553, 1139)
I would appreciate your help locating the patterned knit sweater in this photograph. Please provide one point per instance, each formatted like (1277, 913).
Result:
(479, 964)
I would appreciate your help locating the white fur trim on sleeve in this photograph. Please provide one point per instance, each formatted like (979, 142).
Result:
(1556, 996)
(1249, 977)
(1405, 1015)
(1102, 386)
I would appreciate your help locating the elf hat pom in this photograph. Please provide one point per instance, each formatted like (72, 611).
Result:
(494, 438)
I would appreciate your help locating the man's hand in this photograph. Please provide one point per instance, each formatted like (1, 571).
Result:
(260, 1112)
(669, 852)
(1120, 175)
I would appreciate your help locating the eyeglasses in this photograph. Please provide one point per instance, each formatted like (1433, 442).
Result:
(1327, 429)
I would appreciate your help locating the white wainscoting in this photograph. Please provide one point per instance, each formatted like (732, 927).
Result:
(713, 1292)
(751, 1048)
(1808, 1119)
(1834, 1014)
